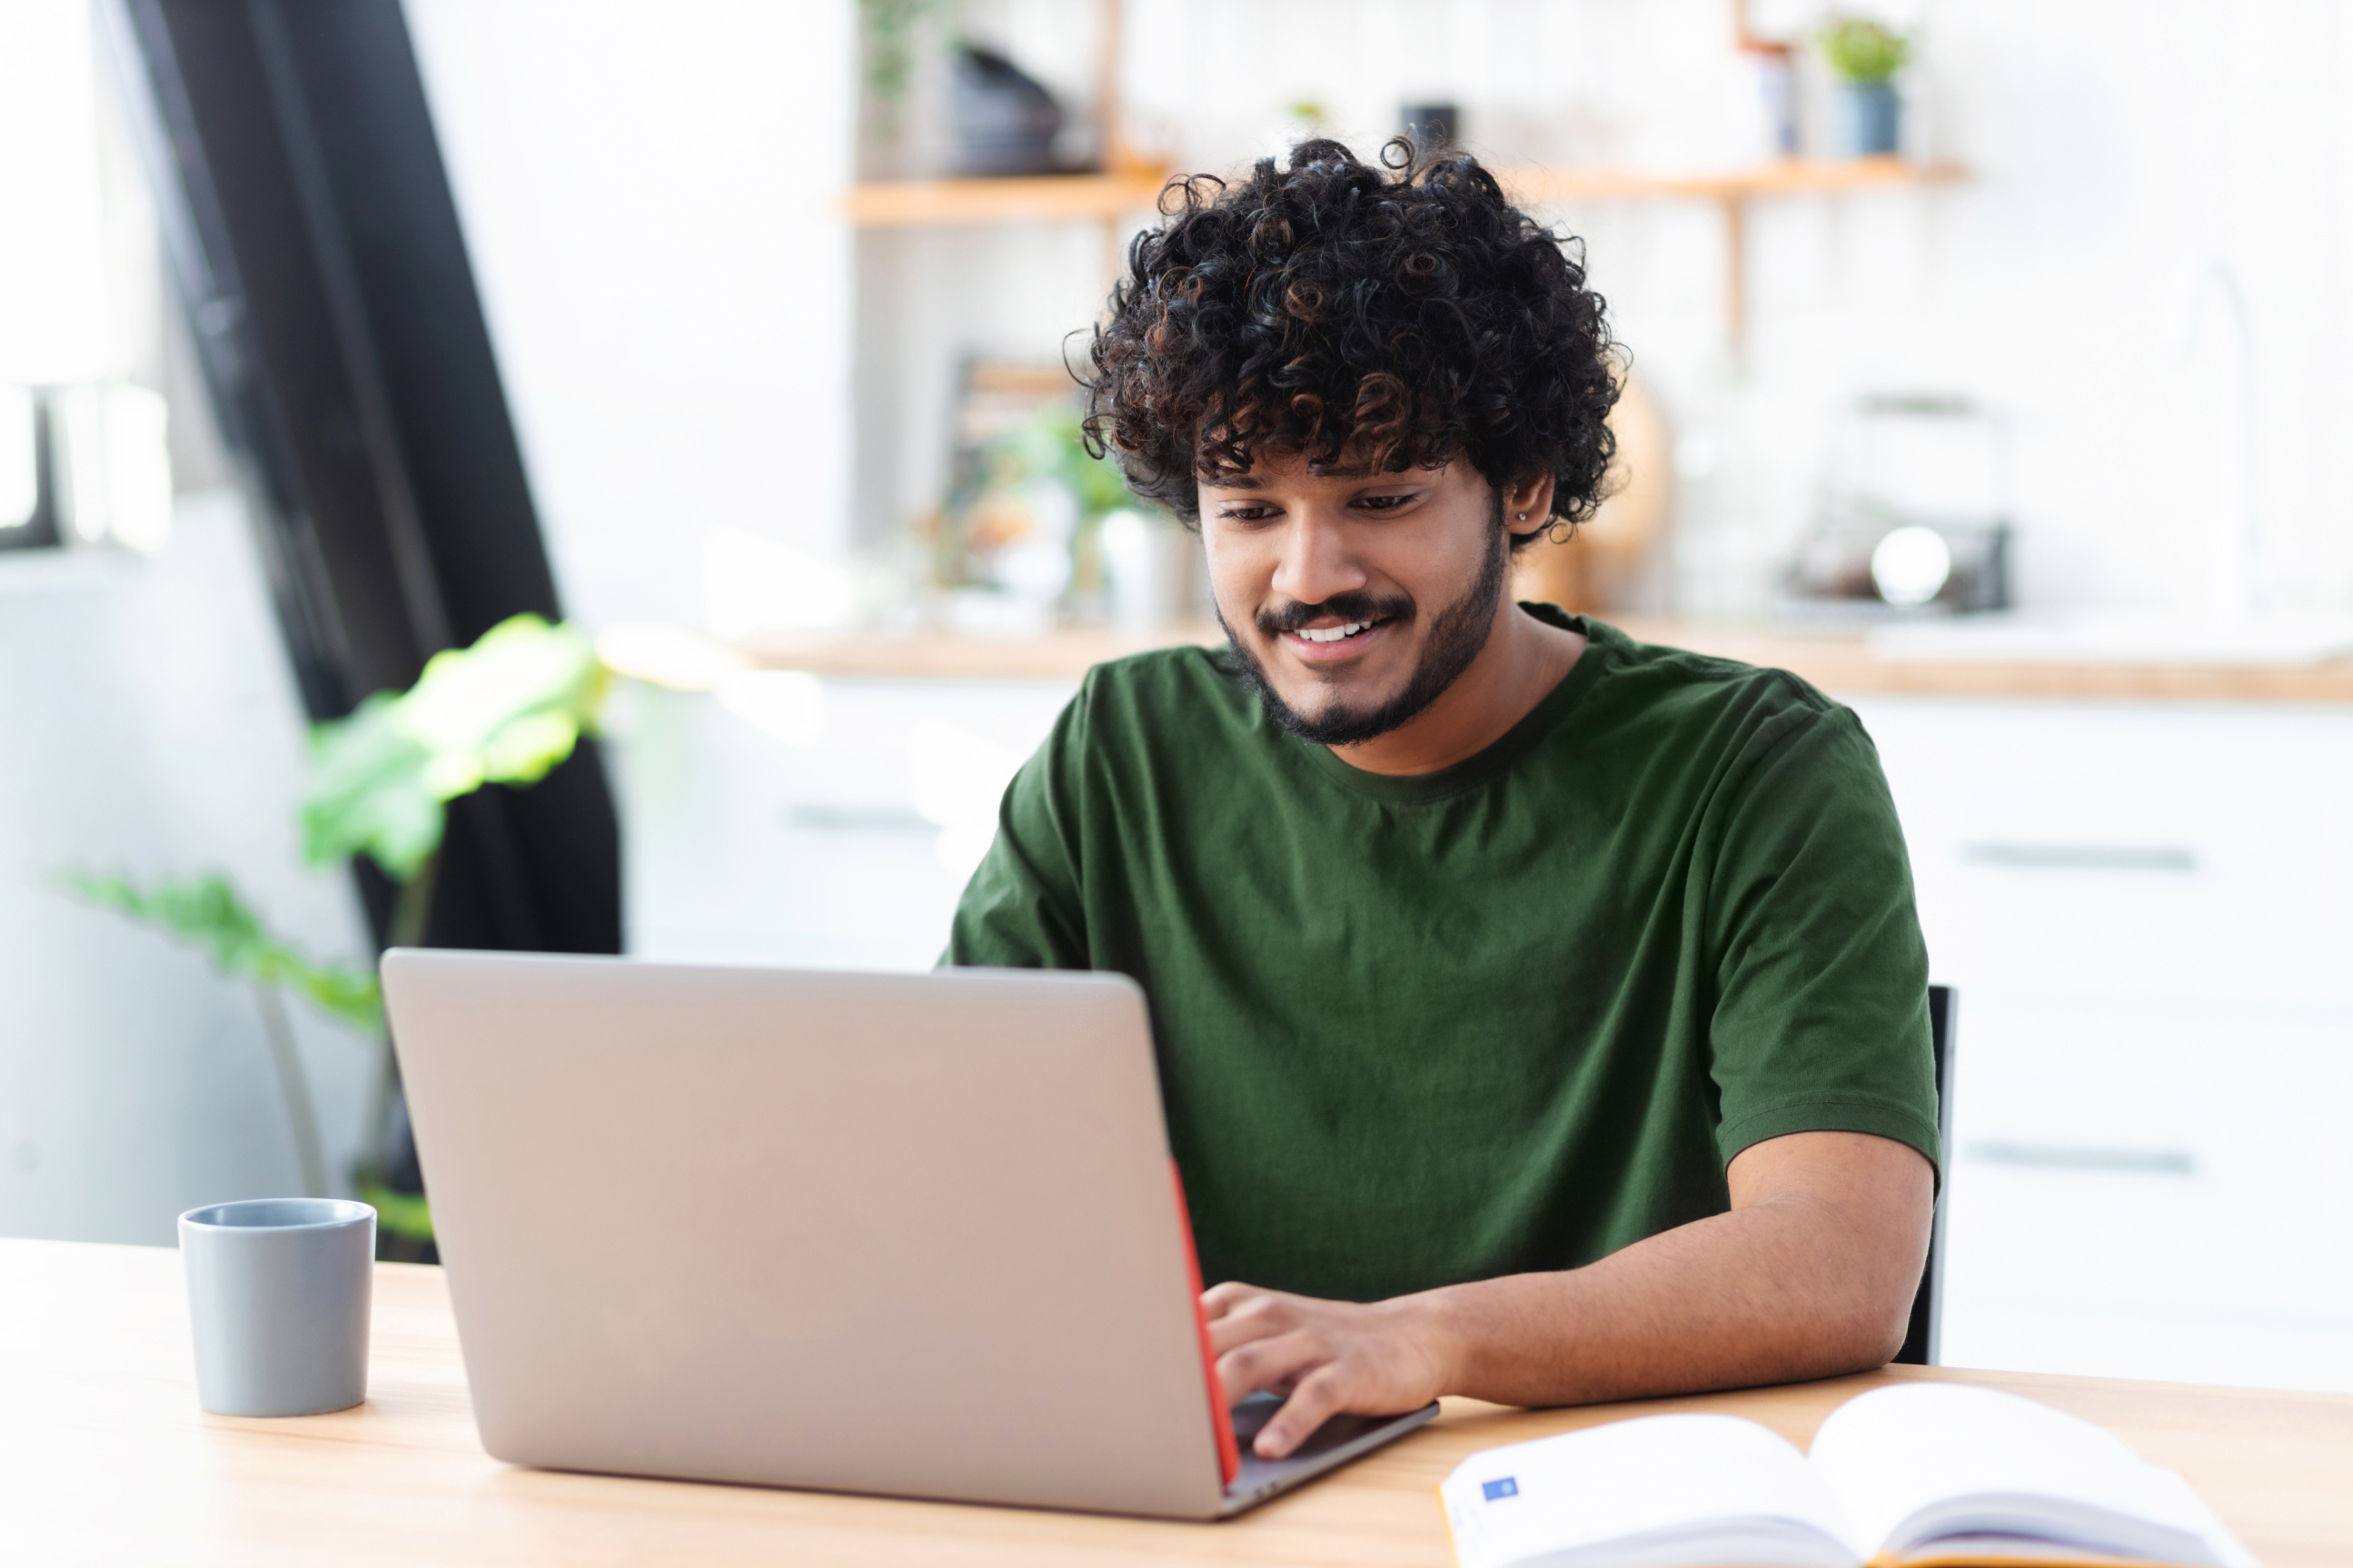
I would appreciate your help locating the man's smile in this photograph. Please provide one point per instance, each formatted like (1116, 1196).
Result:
(1337, 642)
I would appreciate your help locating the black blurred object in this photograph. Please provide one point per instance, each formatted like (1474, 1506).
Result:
(317, 249)
(1924, 1332)
(1004, 121)
(1433, 126)
(39, 530)
(313, 233)
(403, 1173)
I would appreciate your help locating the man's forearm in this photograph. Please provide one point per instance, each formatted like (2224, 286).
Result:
(1812, 1274)
(1770, 1293)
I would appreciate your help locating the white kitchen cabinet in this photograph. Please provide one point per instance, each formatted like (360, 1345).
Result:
(828, 825)
(2147, 910)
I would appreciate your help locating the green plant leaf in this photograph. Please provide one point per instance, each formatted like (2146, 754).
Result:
(1048, 446)
(1862, 51)
(339, 993)
(887, 41)
(368, 791)
(1100, 486)
(504, 710)
(207, 912)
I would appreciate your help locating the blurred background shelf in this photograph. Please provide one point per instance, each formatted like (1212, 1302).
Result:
(1032, 198)
(901, 204)
(1781, 177)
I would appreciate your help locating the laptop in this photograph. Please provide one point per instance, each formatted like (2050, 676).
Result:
(908, 1234)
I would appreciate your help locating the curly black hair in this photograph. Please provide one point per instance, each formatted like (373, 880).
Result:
(1373, 319)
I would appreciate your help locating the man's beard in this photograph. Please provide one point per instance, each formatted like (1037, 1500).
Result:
(1457, 634)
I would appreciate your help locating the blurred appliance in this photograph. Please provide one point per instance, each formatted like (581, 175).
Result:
(1004, 121)
(1912, 515)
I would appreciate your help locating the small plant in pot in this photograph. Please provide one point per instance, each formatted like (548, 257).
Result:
(1863, 57)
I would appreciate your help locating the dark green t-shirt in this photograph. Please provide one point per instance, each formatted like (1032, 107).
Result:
(1510, 1016)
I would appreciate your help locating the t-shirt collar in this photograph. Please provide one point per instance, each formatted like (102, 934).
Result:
(1603, 644)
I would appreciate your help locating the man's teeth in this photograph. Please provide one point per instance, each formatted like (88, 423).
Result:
(1334, 634)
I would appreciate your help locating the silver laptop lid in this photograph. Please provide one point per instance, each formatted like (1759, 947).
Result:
(908, 1234)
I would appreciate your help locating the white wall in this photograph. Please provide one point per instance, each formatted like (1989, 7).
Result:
(59, 317)
(647, 193)
(149, 726)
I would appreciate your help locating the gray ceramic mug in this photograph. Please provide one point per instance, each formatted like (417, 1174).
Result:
(278, 1297)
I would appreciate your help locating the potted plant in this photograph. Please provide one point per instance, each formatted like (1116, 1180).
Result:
(506, 711)
(1863, 55)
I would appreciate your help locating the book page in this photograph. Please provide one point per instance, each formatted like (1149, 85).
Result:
(1648, 1483)
(1911, 1463)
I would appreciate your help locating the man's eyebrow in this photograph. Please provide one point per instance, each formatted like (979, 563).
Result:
(1254, 483)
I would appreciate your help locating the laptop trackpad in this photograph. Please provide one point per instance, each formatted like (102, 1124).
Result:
(1334, 1443)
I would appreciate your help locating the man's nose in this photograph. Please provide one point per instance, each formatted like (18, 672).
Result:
(1316, 562)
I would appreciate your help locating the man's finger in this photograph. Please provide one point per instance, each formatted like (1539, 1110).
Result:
(1220, 1298)
(1267, 1363)
(1318, 1398)
(1262, 1317)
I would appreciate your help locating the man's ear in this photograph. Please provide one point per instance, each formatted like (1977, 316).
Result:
(1527, 505)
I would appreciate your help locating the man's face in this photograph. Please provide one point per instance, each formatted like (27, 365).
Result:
(1354, 601)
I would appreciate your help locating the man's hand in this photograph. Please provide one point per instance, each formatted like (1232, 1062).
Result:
(1329, 1357)
(1809, 1275)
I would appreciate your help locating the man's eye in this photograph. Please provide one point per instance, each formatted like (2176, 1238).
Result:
(1382, 503)
(1246, 514)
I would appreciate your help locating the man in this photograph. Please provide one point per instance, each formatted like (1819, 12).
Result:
(1542, 1016)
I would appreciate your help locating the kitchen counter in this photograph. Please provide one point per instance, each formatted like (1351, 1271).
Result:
(1838, 662)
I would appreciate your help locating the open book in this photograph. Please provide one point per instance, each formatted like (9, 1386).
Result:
(1911, 1476)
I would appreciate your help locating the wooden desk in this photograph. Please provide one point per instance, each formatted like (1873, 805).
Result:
(106, 1459)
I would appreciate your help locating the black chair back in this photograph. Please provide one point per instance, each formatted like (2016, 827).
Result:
(1920, 1345)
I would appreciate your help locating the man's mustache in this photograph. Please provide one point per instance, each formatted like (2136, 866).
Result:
(1275, 620)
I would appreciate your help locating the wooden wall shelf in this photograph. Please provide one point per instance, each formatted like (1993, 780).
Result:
(1107, 199)
(903, 204)
(908, 204)
(1782, 177)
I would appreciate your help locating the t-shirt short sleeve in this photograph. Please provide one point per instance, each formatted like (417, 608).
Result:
(1021, 909)
(1821, 1016)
